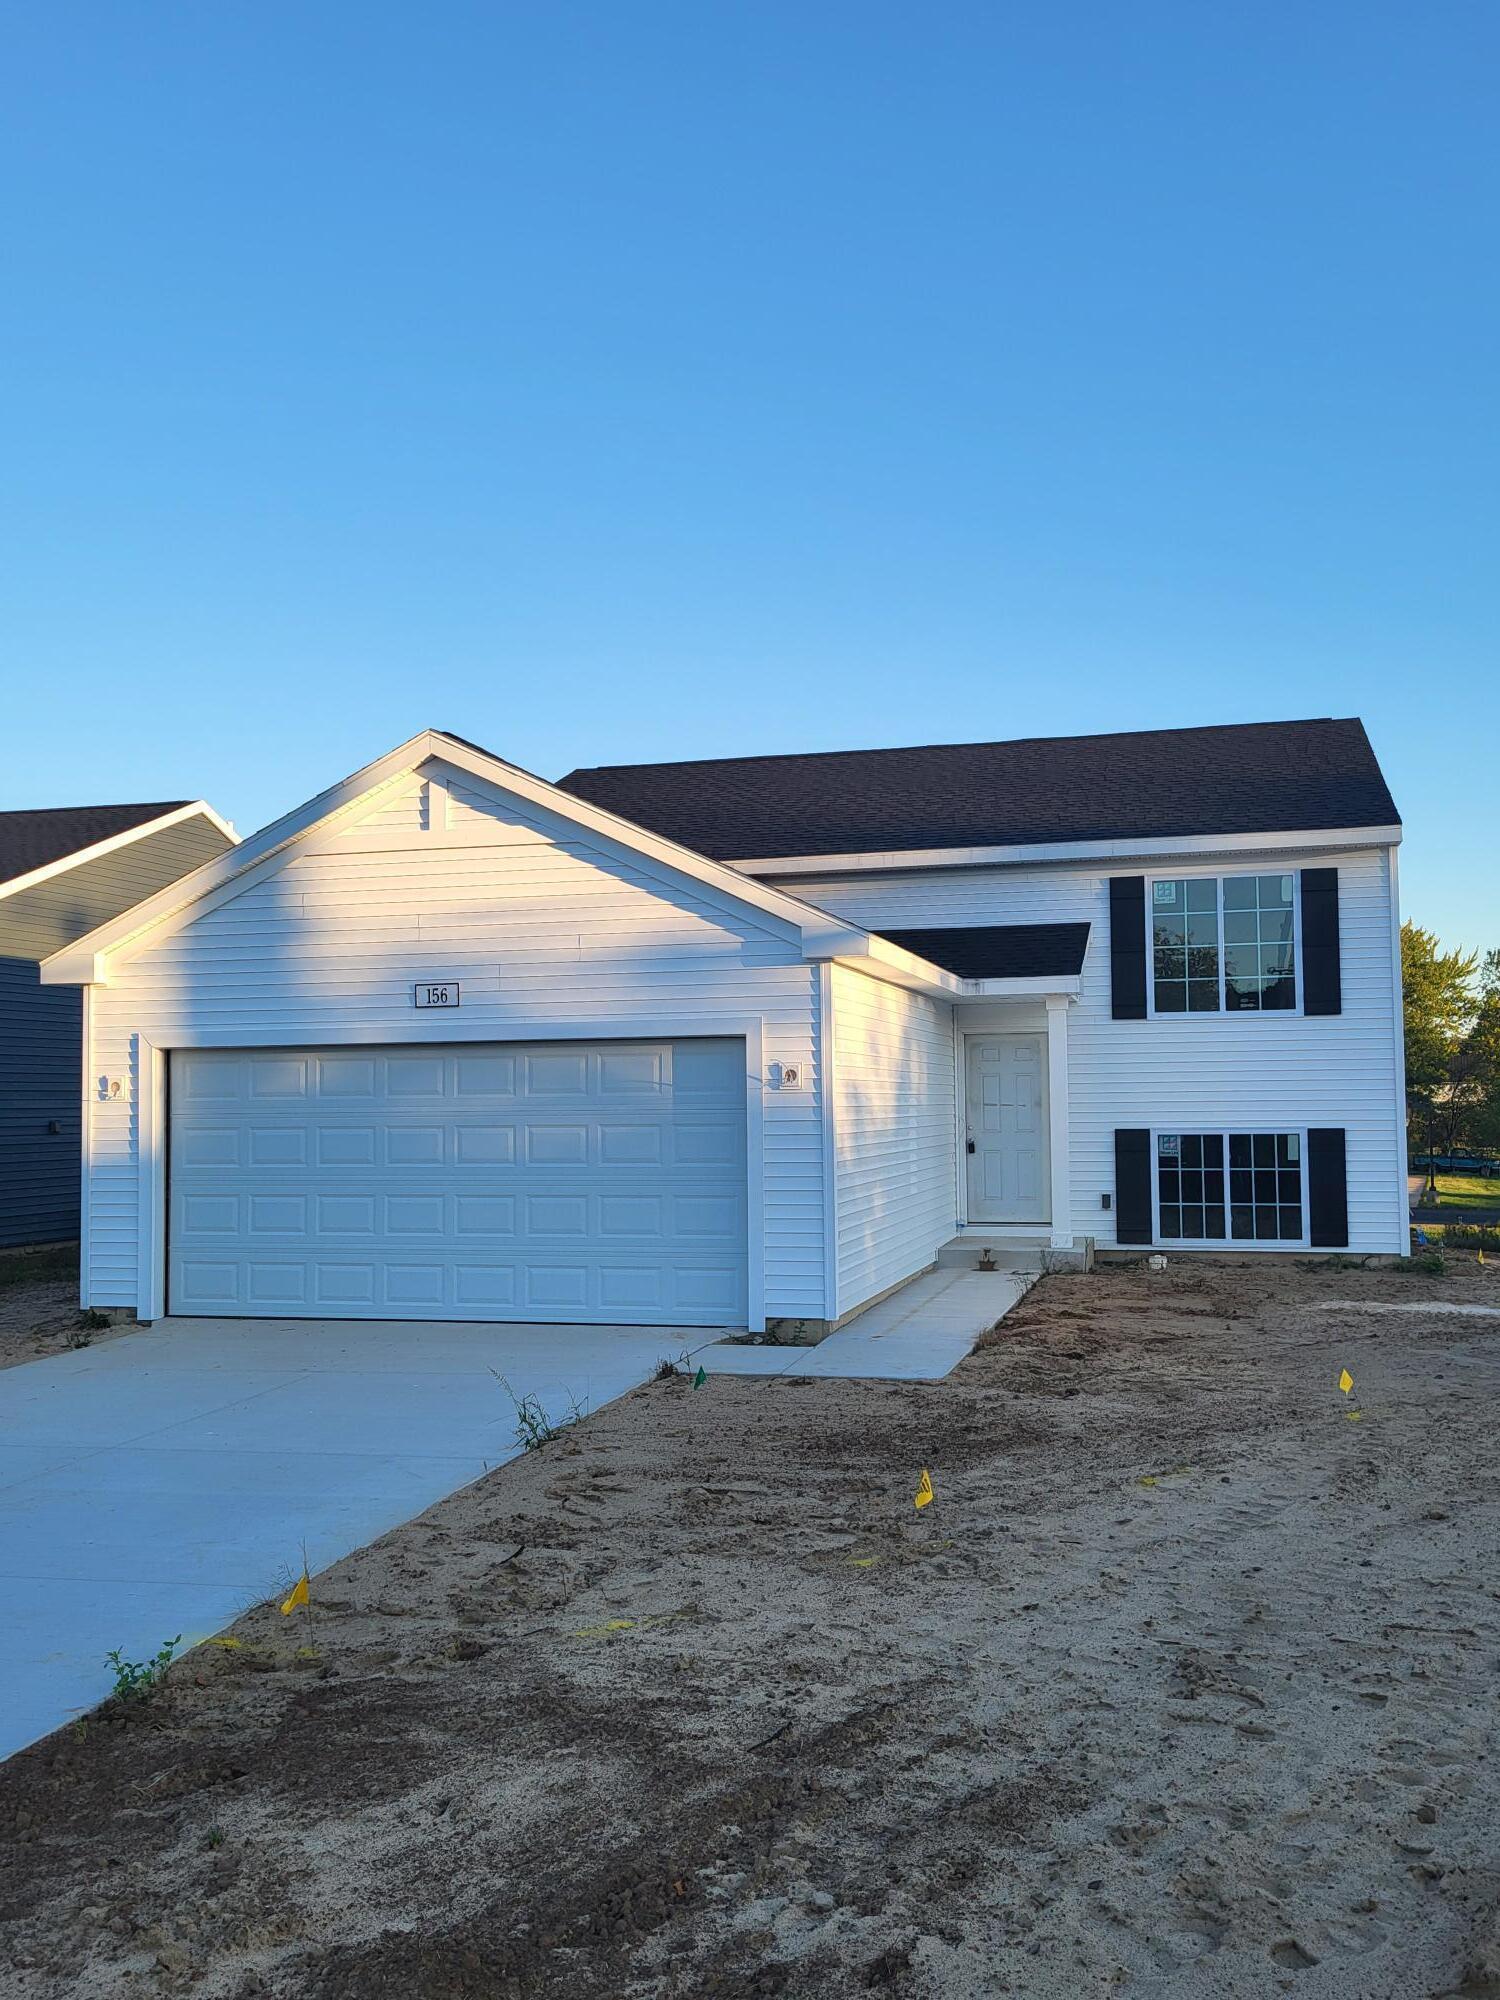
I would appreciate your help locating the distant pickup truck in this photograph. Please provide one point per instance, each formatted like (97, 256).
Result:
(1456, 1163)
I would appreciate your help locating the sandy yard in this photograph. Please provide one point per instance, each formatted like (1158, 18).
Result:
(40, 1316)
(1185, 1686)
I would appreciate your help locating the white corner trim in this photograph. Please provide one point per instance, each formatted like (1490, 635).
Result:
(899, 860)
(827, 1075)
(81, 856)
(85, 1146)
(1060, 1122)
(1403, 1164)
(151, 1171)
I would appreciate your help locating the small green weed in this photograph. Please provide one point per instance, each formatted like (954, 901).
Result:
(135, 1680)
(1422, 1263)
(214, 1837)
(534, 1427)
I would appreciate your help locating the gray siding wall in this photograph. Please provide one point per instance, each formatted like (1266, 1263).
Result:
(40, 1043)
(41, 1027)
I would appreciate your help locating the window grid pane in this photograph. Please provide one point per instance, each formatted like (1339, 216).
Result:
(1185, 946)
(1259, 960)
(1257, 1200)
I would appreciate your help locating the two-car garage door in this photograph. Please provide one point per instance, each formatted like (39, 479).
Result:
(560, 1182)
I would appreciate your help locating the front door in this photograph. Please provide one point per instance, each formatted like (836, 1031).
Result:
(1007, 1128)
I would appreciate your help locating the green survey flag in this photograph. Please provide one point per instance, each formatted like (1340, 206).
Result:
(700, 1378)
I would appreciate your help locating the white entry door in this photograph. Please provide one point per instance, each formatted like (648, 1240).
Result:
(1007, 1128)
(563, 1181)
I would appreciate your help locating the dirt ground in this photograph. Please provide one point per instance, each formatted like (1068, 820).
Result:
(1185, 1685)
(42, 1317)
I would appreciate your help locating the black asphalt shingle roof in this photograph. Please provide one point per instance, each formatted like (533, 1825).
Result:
(31, 839)
(1000, 951)
(1257, 777)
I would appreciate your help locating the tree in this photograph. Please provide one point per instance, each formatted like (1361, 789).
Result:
(1481, 1060)
(1440, 1009)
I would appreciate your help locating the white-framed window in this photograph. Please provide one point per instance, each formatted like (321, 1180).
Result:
(1223, 943)
(1230, 1187)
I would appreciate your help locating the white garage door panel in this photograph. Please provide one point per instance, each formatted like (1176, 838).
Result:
(556, 1182)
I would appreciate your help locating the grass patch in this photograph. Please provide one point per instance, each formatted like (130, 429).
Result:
(39, 1264)
(1462, 1191)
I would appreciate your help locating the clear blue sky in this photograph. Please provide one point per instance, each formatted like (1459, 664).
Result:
(642, 380)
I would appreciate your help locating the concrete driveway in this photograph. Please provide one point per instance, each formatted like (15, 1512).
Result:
(163, 1483)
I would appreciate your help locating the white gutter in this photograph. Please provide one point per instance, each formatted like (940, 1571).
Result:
(898, 860)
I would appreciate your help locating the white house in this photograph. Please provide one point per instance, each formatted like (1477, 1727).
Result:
(751, 1041)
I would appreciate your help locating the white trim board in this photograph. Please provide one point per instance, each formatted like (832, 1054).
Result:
(1234, 1243)
(151, 1065)
(81, 856)
(897, 861)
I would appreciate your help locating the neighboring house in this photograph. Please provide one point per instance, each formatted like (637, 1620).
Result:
(63, 871)
(751, 1041)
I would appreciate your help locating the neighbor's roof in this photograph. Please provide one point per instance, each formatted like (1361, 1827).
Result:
(30, 840)
(1000, 951)
(1258, 777)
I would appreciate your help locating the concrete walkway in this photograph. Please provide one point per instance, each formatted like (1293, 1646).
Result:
(164, 1482)
(918, 1334)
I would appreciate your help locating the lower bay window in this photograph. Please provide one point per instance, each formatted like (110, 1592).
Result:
(1230, 1187)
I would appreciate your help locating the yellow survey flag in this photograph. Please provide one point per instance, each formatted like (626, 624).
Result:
(1346, 1381)
(298, 1596)
(924, 1489)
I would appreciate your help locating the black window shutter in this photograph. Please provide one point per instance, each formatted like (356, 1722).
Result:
(1327, 1189)
(1133, 1186)
(1321, 987)
(1127, 947)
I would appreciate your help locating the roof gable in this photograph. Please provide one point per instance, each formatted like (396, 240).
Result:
(1243, 778)
(388, 802)
(33, 840)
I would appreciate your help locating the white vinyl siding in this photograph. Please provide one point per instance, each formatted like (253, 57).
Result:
(894, 1138)
(1249, 1071)
(542, 927)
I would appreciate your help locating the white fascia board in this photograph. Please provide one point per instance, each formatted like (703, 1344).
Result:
(81, 856)
(898, 861)
(878, 958)
(86, 961)
(1065, 986)
(885, 961)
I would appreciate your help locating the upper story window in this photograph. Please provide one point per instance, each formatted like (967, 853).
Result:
(1223, 943)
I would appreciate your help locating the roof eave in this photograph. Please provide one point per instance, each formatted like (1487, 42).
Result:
(1130, 848)
(97, 849)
